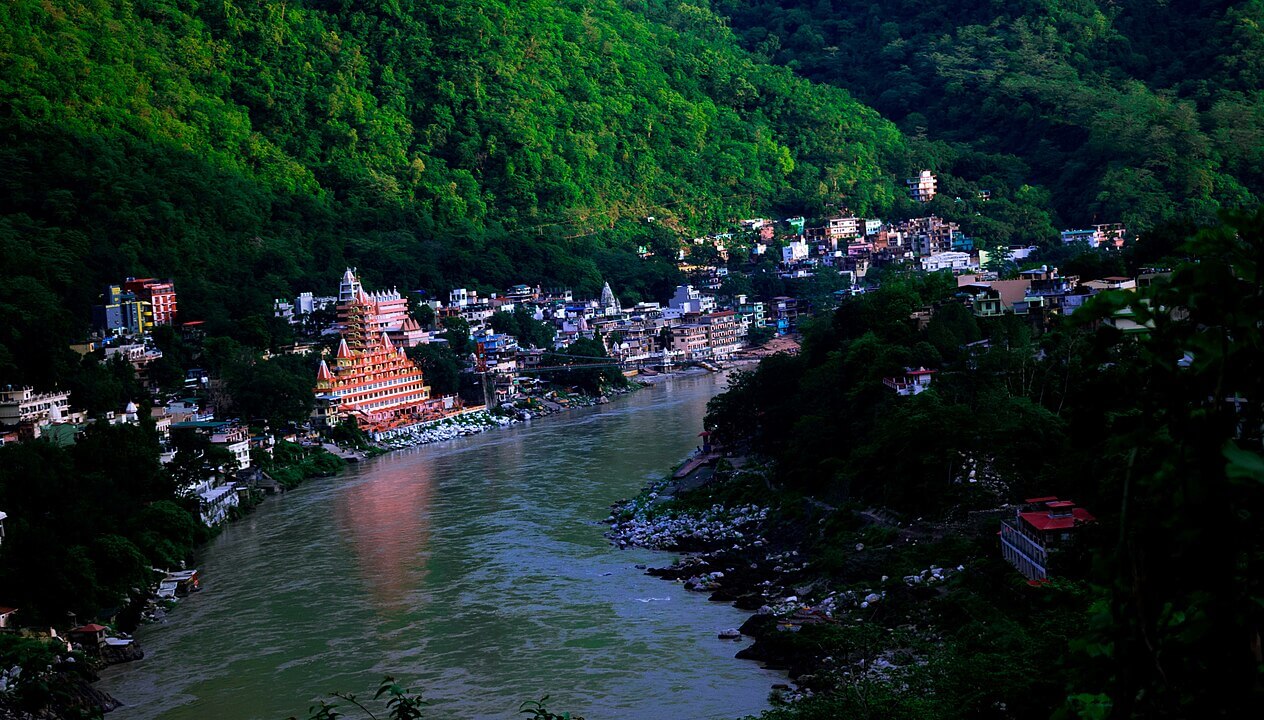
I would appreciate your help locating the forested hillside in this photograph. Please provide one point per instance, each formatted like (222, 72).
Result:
(1132, 110)
(253, 149)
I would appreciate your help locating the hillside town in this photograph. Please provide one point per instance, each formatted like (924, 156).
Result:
(360, 338)
(515, 352)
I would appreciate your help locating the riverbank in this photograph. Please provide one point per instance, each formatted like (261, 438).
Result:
(856, 605)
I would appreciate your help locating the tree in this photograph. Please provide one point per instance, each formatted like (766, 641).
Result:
(601, 373)
(457, 334)
(1176, 631)
(440, 366)
(760, 334)
(277, 390)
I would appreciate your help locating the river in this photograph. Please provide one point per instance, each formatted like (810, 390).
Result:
(471, 570)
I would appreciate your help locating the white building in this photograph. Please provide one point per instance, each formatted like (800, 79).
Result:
(843, 227)
(1102, 235)
(795, 251)
(922, 188)
(19, 405)
(949, 261)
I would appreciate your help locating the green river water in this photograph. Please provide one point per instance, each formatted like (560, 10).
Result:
(472, 570)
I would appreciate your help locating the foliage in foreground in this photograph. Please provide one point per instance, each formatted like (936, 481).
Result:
(396, 702)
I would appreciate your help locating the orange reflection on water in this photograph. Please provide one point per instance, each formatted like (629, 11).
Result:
(386, 520)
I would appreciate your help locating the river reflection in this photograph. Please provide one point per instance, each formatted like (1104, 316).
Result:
(386, 522)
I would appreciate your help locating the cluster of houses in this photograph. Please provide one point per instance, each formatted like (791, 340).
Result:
(122, 327)
(369, 378)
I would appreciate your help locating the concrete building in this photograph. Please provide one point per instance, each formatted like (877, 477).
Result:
(689, 300)
(722, 333)
(795, 251)
(160, 296)
(923, 187)
(1041, 529)
(955, 261)
(689, 341)
(23, 405)
(912, 382)
(1101, 235)
(843, 228)
(121, 313)
(371, 379)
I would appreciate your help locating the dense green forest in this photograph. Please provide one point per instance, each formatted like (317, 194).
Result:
(1138, 111)
(254, 149)
(1155, 432)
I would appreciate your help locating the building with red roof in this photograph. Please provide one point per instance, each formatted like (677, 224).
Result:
(1040, 529)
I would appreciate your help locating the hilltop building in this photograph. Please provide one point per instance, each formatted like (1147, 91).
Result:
(135, 307)
(912, 382)
(923, 187)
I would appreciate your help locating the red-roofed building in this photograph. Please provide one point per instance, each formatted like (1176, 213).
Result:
(1040, 529)
(160, 294)
(90, 636)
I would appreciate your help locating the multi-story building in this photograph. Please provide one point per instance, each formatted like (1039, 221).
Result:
(783, 313)
(389, 311)
(1040, 530)
(159, 294)
(689, 341)
(19, 405)
(371, 379)
(688, 300)
(722, 333)
(749, 313)
(923, 187)
(843, 228)
(121, 313)
(1100, 235)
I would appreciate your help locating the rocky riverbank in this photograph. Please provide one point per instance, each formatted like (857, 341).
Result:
(511, 413)
(767, 553)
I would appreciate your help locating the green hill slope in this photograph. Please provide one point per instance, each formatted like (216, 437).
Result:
(1138, 110)
(252, 149)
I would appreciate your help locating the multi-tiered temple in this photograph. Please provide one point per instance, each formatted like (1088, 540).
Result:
(371, 379)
